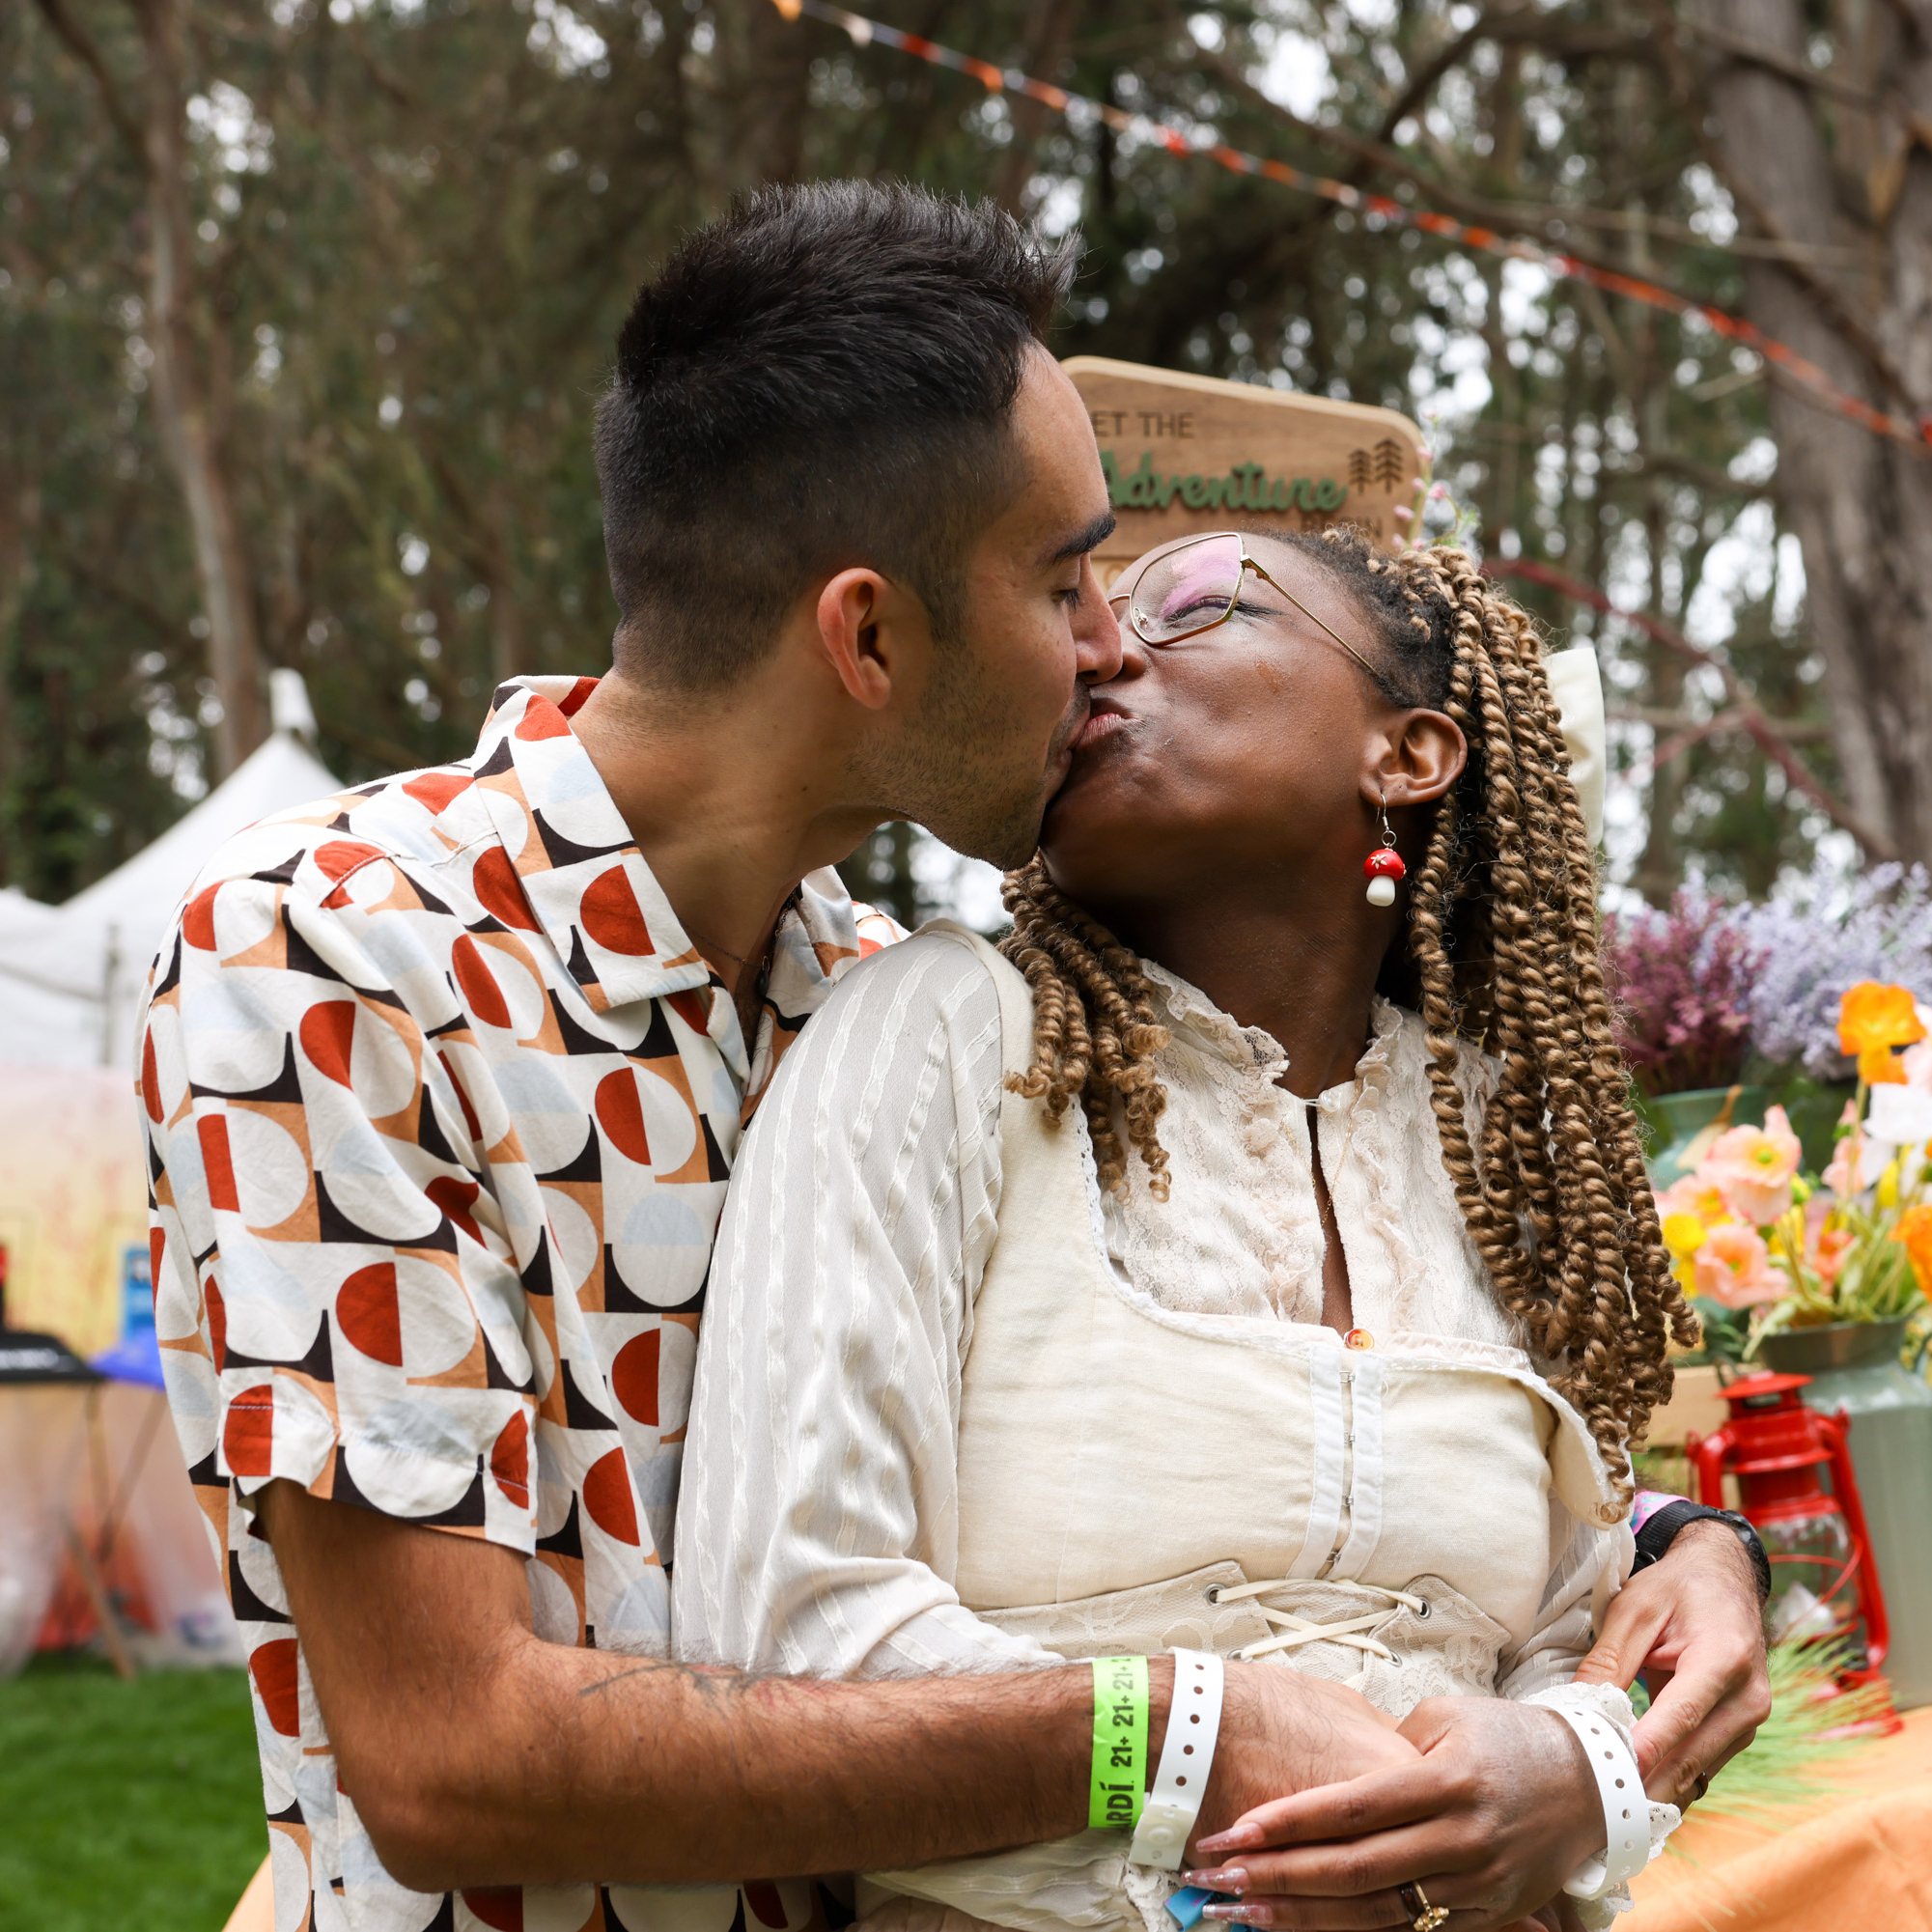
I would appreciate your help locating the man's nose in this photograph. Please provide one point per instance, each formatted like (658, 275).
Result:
(1097, 639)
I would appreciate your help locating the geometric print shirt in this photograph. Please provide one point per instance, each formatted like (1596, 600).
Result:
(440, 1104)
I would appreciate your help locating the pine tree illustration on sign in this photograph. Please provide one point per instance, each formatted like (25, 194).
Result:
(1388, 463)
(1358, 469)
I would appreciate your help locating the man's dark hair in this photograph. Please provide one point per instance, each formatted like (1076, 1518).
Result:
(823, 377)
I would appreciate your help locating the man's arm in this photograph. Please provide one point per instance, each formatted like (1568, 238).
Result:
(477, 1754)
(1693, 1623)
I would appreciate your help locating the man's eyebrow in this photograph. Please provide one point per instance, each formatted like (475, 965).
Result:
(1090, 539)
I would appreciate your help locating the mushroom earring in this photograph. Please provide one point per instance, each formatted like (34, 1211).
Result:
(1383, 867)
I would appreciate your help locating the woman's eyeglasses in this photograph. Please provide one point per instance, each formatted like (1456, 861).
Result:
(1196, 585)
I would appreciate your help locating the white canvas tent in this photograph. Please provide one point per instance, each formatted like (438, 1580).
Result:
(73, 1237)
(72, 975)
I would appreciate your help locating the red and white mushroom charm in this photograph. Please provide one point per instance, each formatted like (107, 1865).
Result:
(1384, 868)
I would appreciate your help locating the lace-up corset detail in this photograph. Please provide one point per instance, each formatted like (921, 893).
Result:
(1292, 1632)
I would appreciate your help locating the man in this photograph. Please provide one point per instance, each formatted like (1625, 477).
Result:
(444, 1079)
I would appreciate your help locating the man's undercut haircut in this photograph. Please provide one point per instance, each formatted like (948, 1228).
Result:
(822, 378)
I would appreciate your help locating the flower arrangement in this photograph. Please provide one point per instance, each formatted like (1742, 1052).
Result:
(1760, 1249)
(1808, 950)
(1456, 525)
(1683, 981)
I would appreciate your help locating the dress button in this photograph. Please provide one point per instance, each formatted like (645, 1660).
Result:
(1357, 1338)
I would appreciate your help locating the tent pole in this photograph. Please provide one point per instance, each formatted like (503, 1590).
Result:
(107, 971)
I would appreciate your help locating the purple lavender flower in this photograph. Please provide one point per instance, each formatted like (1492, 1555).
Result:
(1682, 980)
(1821, 936)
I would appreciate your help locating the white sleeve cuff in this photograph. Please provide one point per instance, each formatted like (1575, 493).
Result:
(1606, 1708)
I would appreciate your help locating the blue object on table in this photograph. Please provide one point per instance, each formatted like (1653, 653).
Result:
(1188, 1904)
(137, 1291)
(138, 1358)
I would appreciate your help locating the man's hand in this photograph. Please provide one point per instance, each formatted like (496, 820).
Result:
(1282, 1732)
(1491, 1818)
(1692, 1624)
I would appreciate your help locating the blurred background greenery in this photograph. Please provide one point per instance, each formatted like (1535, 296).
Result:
(305, 307)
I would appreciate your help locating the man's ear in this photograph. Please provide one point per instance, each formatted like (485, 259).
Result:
(852, 609)
(1419, 761)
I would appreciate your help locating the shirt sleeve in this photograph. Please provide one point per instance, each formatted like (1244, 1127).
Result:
(1591, 1566)
(336, 1298)
(818, 1522)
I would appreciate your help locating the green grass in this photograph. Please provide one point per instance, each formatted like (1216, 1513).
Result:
(126, 1805)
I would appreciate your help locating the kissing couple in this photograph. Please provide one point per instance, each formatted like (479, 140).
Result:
(720, 1414)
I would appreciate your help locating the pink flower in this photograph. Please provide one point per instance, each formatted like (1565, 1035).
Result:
(1753, 1168)
(1861, 1158)
(1690, 1194)
(1733, 1267)
(1825, 1246)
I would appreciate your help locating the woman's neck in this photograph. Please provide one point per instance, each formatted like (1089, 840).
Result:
(1307, 981)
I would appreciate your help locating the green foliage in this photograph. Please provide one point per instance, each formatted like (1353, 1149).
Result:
(419, 224)
(126, 1803)
(1813, 1727)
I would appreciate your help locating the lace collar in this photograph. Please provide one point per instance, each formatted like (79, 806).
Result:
(1256, 1050)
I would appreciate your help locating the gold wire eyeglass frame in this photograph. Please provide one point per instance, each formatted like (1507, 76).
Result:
(1130, 599)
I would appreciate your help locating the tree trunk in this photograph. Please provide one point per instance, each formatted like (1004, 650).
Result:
(777, 64)
(1045, 54)
(1859, 503)
(186, 404)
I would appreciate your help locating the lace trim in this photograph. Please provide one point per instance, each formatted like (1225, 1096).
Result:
(1607, 1702)
(1378, 1118)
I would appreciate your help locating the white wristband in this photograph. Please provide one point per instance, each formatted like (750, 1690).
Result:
(1626, 1807)
(1187, 1758)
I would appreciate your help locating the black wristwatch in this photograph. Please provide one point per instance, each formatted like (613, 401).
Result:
(1659, 1533)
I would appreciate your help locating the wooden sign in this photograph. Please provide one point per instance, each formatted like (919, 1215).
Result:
(1186, 452)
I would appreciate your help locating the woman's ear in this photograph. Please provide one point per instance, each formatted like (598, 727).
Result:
(1423, 758)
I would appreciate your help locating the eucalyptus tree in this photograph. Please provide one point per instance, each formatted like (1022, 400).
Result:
(365, 303)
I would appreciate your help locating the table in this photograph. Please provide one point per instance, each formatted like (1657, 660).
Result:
(1860, 1857)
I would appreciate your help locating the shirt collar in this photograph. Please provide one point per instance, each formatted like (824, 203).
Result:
(599, 903)
(1188, 1009)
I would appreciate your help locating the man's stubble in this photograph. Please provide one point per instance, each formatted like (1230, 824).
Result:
(964, 760)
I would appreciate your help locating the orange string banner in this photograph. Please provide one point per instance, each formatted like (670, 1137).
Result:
(1799, 369)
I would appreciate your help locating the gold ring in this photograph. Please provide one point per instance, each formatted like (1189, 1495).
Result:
(1422, 1915)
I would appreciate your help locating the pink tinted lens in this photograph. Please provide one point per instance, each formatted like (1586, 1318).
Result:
(1188, 590)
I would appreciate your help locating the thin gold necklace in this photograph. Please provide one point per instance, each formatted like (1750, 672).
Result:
(737, 959)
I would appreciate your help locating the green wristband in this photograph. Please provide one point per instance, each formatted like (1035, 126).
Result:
(1120, 1743)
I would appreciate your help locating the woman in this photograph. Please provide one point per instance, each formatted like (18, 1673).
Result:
(1205, 1279)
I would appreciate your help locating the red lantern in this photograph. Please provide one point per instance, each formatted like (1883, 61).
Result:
(1815, 1536)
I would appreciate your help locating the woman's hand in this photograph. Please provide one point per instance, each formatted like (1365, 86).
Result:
(1285, 1731)
(1498, 1810)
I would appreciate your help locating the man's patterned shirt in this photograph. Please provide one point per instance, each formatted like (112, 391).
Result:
(441, 1103)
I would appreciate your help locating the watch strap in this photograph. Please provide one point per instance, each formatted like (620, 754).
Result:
(1662, 1526)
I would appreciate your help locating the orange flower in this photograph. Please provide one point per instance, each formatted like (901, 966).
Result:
(1914, 1230)
(1873, 1019)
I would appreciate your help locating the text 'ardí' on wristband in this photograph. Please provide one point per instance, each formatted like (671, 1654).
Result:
(1187, 1758)
(1120, 1743)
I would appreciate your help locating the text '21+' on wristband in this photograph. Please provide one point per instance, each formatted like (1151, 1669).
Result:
(1120, 1743)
